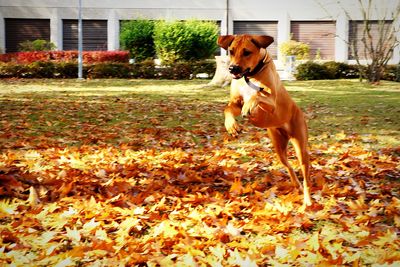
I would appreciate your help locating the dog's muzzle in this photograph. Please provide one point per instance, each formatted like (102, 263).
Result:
(237, 71)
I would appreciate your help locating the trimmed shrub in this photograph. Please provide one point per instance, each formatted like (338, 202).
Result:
(105, 56)
(185, 40)
(137, 37)
(36, 45)
(177, 71)
(41, 70)
(105, 70)
(66, 56)
(312, 71)
(340, 70)
(67, 70)
(392, 73)
(203, 66)
(294, 48)
(12, 70)
(143, 70)
(328, 70)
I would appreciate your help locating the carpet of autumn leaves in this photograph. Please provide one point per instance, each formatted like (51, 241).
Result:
(142, 173)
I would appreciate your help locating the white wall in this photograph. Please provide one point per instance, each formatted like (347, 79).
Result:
(282, 11)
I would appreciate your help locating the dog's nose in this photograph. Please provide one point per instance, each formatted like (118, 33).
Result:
(235, 69)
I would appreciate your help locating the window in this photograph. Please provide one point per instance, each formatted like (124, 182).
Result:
(20, 30)
(356, 34)
(261, 28)
(94, 34)
(319, 35)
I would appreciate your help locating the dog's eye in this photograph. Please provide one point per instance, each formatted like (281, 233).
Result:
(231, 52)
(246, 53)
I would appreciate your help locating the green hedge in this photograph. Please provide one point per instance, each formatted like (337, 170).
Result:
(337, 70)
(146, 70)
(185, 40)
(137, 37)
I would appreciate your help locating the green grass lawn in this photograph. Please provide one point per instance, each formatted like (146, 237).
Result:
(70, 112)
(143, 173)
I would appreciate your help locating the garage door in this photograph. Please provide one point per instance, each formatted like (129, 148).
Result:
(356, 32)
(20, 30)
(94, 35)
(259, 27)
(320, 35)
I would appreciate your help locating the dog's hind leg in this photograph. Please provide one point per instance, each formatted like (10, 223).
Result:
(300, 146)
(280, 140)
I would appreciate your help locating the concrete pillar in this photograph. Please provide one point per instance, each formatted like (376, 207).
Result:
(283, 32)
(2, 34)
(56, 31)
(113, 30)
(342, 38)
(226, 27)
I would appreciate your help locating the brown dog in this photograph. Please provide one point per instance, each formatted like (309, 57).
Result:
(268, 105)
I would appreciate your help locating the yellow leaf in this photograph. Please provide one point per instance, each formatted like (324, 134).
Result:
(46, 237)
(165, 229)
(397, 220)
(313, 242)
(388, 238)
(281, 252)
(8, 206)
(66, 262)
(218, 251)
(90, 226)
(33, 199)
(102, 235)
(73, 234)
(236, 259)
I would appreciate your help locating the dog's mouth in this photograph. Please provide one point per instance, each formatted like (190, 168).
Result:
(238, 75)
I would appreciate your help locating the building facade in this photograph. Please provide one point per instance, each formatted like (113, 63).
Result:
(325, 25)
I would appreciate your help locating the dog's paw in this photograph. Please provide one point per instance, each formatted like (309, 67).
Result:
(232, 126)
(249, 106)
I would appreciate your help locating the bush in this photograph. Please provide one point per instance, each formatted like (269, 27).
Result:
(294, 48)
(36, 45)
(143, 70)
(312, 71)
(41, 70)
(328, 70)
(185, 40)
(392, 73)
(11, 70)
(66, 56)
(137, 37)
(66, 70)
(105, 70)
(339, 70)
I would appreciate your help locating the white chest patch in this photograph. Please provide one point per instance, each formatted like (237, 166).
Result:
(246, 92)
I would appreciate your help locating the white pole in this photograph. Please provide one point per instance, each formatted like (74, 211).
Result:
(80, 41)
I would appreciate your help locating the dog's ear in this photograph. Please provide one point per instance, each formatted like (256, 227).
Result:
(262, 41)
(225, 41)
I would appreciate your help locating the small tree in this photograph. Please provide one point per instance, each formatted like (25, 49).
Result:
(379, 49)
(137, 37)
(185, 40)
(36, 45)
(378, 30)
(294, 48)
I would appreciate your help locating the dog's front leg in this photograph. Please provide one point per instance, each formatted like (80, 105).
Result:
(250, 105)
(231, 111)
(264, 102)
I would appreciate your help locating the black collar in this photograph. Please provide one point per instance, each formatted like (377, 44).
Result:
(256, 69)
